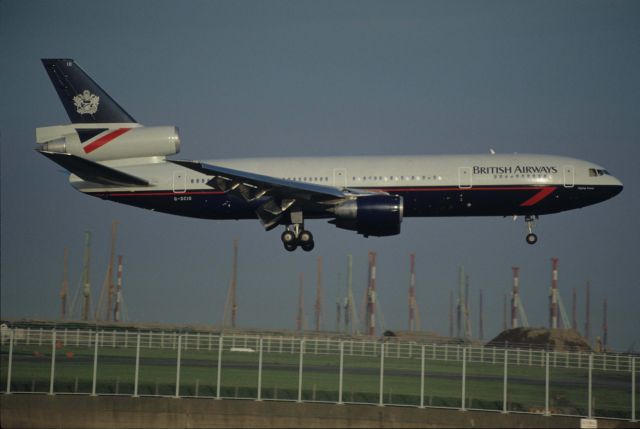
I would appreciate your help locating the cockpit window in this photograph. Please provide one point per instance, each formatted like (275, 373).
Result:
(594, 172)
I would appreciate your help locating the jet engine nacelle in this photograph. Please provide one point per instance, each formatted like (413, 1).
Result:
(377, 215)
(102, 142)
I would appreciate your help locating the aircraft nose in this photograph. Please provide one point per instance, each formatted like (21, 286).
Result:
(615, 187)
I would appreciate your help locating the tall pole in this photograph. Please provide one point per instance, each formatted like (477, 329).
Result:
(371, 296)
(450, 313)
(231, 304)
(515, 297)
(64, 290)
(118, 307)
(114, 226)
(574, 314)
(412, 292)
(467, 317)
(605, 328)
(108, 288)
(338, 305)
(554, 293)
(587, 319)
(350, 319)
(234, 285)
(504, 312)
(300, 316)
(318, 305)
(86, 281)
(460, 308)
(481, 319)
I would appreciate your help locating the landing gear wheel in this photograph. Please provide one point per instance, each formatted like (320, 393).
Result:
(305, 237)
(291, 247)
(288, 237)
(530, 221)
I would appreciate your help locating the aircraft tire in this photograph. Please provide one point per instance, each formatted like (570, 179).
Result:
(288, 237)
(532, 238)
(290, 246)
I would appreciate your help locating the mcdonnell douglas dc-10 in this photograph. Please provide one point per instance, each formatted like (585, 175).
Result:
(113, 157)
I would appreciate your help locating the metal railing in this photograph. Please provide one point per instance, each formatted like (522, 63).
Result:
(348, 370)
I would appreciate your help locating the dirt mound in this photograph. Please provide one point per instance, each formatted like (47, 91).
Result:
(541, 338)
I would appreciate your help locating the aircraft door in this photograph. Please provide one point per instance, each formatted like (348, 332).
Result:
(179, 182)
(568, 174)
(464, 177)
(340, 177)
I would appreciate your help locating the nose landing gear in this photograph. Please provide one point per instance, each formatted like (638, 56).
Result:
(530, 220)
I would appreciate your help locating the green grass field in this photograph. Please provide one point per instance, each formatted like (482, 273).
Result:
(31, 371)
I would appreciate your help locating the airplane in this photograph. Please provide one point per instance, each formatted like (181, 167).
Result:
(112, 156)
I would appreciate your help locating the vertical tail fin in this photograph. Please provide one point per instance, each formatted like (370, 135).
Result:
(83, 99)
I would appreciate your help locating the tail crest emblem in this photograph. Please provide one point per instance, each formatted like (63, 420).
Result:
(86, 103)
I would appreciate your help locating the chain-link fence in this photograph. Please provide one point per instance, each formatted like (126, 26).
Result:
(291, 368)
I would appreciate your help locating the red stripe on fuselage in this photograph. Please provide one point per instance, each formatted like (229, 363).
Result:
(544, 193)
(104, 140)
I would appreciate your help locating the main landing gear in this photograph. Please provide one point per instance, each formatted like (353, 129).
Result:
(295, 235)
(530, 220)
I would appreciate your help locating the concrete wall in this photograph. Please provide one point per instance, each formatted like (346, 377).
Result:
(44, 411)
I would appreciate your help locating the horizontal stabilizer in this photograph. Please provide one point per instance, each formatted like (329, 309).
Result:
(94, 172)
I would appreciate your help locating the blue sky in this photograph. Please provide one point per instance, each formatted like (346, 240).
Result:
(269, 78)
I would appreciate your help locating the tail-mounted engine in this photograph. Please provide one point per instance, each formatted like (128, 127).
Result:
(377, 215)
(102, 142)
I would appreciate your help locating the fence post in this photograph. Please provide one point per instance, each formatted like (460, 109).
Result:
(259, 370)
(219, 375)
(300, 371)
(341, 373)
(381, 401)
(422, 377)
(590, 385)
(547, 412)
(464, 378)
(95, 364)
(135, 380)
(178, 366)
(53, 361)
(504, 382)
(11, 335)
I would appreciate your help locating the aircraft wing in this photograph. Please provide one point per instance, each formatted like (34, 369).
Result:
(278, 194)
